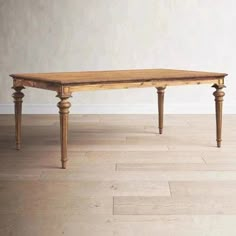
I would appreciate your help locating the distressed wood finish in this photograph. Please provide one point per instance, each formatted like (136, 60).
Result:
(18, 99)
(118, 76)
(66, 83)
(64, 106)
(94, 80)
(219, 94)
(160, 92)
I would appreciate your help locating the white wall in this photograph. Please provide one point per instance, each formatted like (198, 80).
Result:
(73, 35)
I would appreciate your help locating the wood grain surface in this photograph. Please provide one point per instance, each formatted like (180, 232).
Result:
(97, 77)
(123, 180)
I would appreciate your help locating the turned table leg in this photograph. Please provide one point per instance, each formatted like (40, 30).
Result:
(219, 94)
(64, 106)
(18, 99)
(160, 92)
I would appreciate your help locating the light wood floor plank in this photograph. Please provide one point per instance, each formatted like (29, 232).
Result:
(123, 178)
(220, 157)
(144, 157)
(203, 188)
(44, 189)
(174, 167)
(174, 206)
(55, 174)
(176, 225)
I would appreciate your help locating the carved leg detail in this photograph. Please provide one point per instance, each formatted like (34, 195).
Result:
(160, 92)
(18, 99)
(63, 106)
(219, 94)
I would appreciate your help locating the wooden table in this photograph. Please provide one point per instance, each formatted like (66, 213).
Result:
(67, 83)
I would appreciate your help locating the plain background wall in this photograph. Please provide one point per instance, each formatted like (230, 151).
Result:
(74, 35)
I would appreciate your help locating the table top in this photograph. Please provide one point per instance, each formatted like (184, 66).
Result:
(99, 77)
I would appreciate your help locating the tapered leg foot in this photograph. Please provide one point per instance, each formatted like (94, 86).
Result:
(18, 99)
(63, 164)
(219, 94)
(160, 92)
(64, 106)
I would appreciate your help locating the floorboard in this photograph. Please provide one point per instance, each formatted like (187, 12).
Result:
(123, 178)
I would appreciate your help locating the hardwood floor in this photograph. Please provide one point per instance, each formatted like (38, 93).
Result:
(123, 178)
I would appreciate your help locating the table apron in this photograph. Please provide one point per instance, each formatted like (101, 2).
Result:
(104, 86)
(116, 85)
